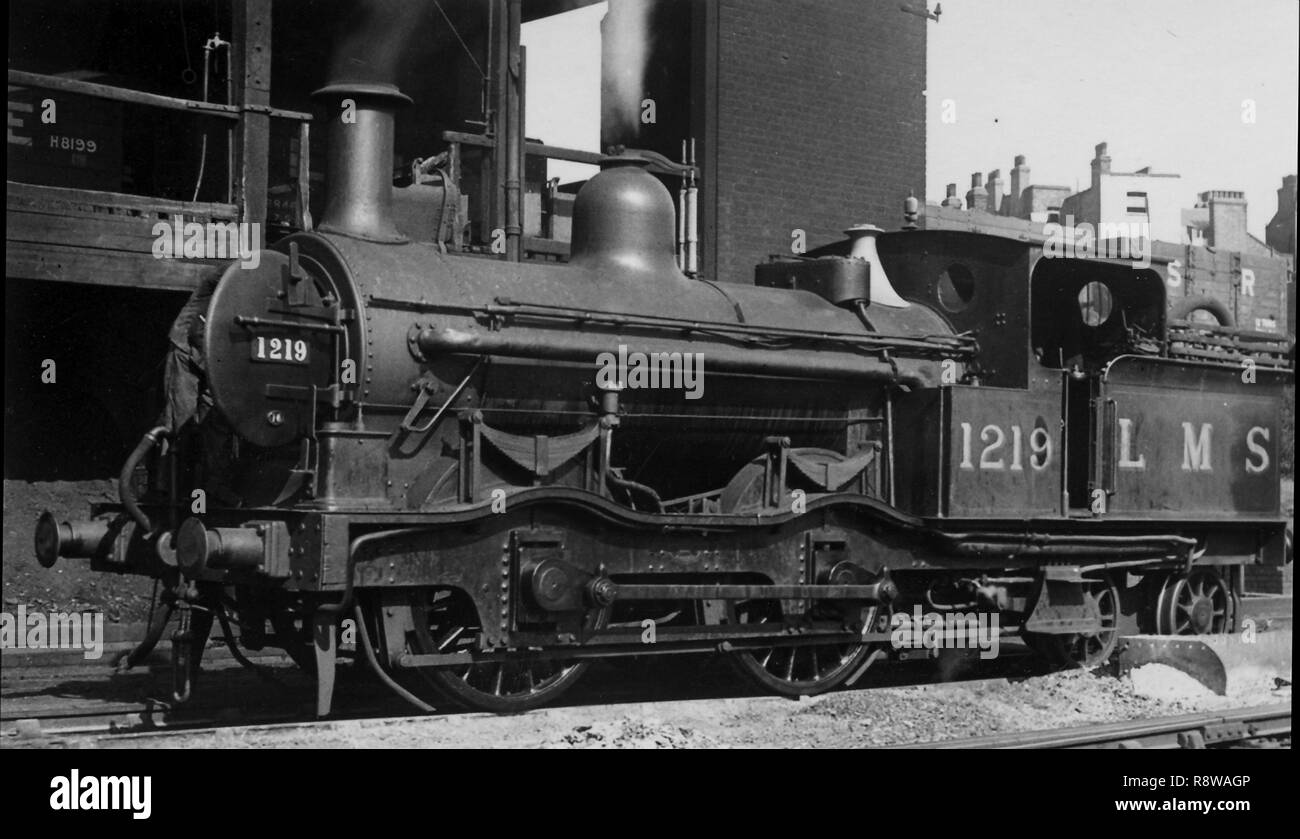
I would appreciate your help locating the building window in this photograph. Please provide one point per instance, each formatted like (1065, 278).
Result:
(1137, 204)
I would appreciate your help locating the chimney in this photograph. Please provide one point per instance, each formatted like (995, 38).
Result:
(1100, 165)
(1281, 231)
(1019, 181)
(976, 197)
(995, 191)
(360, 98)
(1227, 219)
(951, 199)
(360, 168)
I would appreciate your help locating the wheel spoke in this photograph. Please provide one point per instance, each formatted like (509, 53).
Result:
(450, 638)
(509, 683)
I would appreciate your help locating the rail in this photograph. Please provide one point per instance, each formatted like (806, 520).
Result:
(1192, 731)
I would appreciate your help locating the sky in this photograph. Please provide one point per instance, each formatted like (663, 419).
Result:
(563, 102)
(1161, 81)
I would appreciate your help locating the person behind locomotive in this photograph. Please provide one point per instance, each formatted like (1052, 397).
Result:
(188, 413)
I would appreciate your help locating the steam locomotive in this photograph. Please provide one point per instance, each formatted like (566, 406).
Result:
(496, 472)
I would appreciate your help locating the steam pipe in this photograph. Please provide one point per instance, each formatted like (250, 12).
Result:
(681, 216)
(692, 230)
(514, 134)
(523, 142)
(500, 69)
(692, 266)
(584, 347)
(363, 641)
(153, 635)
(124, 492)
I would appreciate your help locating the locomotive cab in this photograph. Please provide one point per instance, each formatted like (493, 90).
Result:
(1090, 397)
(1085, 314)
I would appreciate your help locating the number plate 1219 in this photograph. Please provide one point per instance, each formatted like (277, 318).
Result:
(281, 350)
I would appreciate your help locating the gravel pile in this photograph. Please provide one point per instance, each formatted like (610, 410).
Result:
(635, 734)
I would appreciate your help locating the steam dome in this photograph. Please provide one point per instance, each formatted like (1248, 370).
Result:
(624, 220)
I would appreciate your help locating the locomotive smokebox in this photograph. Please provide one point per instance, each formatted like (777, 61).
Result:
(360, 173)
(624, 221)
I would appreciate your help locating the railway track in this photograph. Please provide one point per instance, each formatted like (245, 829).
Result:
(43, 707)
(1218, 729)
(558, 717)
(63, 701)
(1249, 727)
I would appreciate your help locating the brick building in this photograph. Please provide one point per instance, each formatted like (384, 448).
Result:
(807, 115)
(1143, 196)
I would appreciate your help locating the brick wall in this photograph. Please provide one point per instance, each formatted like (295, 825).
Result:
(1220, 274)
(821, 123)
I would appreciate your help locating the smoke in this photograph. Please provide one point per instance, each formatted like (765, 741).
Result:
(372, 40)
(626, 50)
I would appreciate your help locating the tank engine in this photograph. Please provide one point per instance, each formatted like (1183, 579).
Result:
(499, 471)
